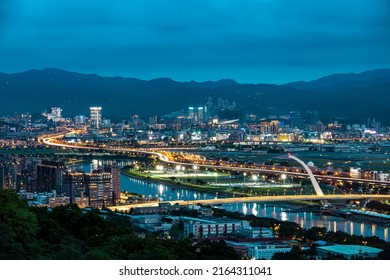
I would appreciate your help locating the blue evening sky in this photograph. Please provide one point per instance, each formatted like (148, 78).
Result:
(273, 41)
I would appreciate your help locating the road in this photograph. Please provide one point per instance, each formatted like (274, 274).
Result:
(49, 140)
(258, 199)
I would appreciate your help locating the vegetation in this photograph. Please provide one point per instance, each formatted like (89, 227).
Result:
(66, 232)
(376, 205)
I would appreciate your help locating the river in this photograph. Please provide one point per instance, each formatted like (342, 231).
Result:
(280, 212)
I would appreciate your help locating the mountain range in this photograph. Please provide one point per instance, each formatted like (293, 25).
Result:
(352, 96)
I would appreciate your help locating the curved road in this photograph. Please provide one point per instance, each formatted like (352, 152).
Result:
(48, 140)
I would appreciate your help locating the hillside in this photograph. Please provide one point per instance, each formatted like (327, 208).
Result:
(345, 95)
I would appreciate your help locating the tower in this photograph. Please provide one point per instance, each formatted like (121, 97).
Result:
(96, 117)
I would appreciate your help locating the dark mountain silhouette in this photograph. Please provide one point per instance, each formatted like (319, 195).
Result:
(353, 96)
(212, 84)
(340, 81)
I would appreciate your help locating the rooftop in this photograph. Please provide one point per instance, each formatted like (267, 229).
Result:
(350, 249)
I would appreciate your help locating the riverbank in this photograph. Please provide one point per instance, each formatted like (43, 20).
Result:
(209, 189)
(220, 191)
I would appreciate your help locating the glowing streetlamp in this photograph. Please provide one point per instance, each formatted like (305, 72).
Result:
(244, 177)
(159, 167)
(284, 178)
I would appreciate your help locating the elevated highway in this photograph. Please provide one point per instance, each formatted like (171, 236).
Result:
(50, 140)
(257, 199)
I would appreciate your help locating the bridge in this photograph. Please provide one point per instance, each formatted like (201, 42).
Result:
(257, 199)
(49, 141)
(163, 157)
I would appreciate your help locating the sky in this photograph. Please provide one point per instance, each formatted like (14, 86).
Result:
(251, 41)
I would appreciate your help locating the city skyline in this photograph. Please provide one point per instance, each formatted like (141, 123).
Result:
(208, 130)
(255, 41)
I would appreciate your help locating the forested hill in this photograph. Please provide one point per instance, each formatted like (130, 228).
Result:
(354, 96)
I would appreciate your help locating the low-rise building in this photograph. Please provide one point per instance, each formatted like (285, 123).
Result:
(209, 227)
(256, 232)
(263, 250)
(150, 223)
(349, 251)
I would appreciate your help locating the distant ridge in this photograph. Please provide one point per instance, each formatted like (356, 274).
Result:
(212, 84)
(353, 96)
(340, 81)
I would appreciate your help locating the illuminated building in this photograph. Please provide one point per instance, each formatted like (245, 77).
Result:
(73, 185)
(96, 117)
(55, 115)
(264, 128)
(116, 184)
(98, 187)
(79, 119)
(2, 178)
(49, 176)
(197, 114)
(274, 127)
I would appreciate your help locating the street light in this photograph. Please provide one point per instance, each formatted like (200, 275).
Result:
(284, 178)
(195, 168)
(255, 177)
(159, 167)
(244, 178)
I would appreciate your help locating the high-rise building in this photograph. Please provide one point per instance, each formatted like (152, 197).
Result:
(274, 126)
(49, 176)
(73, 185)
(200, 115)
(197, 114)
(55, 115)
(9, 169)
(114, 169)
(80, 119)
(264, 127)
(96, 117)
(2, 178)
(98, 187)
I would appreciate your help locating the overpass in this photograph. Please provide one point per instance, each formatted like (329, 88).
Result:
(49, 140)
(257, 199)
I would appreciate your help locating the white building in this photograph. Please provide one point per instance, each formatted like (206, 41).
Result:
(265, 251)
(257, 232)
(151, 223)
(208, 227)
(349, 251)
(355, 173)
(55, 115)
(96, 117)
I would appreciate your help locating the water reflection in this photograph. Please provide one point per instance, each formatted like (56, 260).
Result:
(254, 211)
(304, 219)
(244, 209)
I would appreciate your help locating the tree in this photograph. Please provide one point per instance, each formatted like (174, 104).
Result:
(385, 254)
(15, 213)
